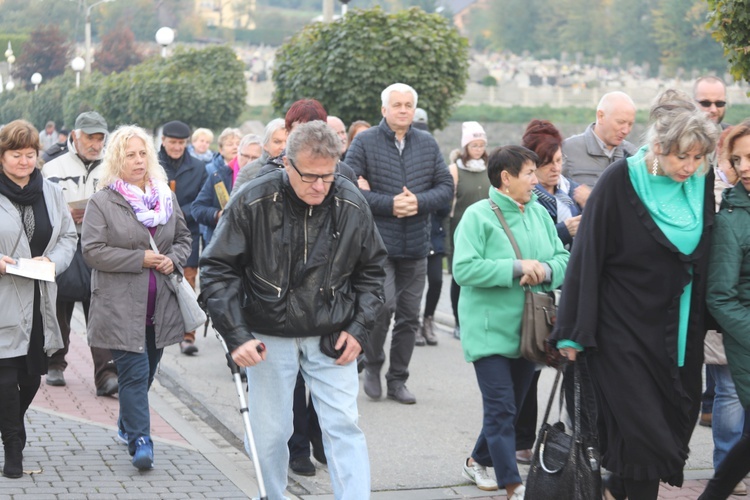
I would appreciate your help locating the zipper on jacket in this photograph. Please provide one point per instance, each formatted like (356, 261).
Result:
(277, 288)
(308, 213)
(258, 200)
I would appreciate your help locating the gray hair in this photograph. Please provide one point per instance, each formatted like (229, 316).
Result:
(271, 128)
(676, 125)
(227, 133)
(316, 138)
(250, 139)
(385, 96)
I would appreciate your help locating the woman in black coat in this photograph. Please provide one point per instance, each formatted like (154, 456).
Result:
(634, 296)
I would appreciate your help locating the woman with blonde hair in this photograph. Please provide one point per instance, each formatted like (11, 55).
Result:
(35, 223)
(134, 311)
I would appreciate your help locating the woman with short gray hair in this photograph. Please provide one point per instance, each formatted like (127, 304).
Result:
(633, 303)
(274, 142)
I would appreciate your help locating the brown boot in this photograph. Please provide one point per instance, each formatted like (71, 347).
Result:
(428, 331)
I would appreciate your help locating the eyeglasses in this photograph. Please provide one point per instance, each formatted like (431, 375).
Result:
(707, 104)
(312, 178)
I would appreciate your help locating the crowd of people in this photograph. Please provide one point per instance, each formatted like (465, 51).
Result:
(310, 244)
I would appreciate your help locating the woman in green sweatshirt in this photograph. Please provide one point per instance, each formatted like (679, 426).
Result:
(491, 303)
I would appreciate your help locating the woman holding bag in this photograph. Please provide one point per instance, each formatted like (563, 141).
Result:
(134, 311)
(634, 298)
(492, 301)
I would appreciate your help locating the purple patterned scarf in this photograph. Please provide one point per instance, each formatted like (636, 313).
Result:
(152, 207)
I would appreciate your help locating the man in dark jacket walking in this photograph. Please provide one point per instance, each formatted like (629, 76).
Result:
(186, 176)
(293, 280)
(404, 178)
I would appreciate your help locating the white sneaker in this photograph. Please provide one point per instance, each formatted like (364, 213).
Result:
(478, 475)
(519, 493)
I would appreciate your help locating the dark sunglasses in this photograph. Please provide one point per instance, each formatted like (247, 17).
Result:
(707, 103)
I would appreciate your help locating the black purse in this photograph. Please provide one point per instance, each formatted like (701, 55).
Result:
(74, 284)
(565, 466)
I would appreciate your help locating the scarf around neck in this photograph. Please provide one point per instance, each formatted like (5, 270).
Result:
(24, 196)
(152, 206)
(471, 165)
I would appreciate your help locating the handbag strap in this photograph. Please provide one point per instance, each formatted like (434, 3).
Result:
(153, 243)
(552, 394)
(504, 223)
(576, 400)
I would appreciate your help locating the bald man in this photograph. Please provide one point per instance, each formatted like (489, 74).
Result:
(338, 126)
(586, 155)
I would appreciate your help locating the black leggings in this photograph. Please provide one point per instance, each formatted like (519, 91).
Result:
(434, 283)
(731, 471)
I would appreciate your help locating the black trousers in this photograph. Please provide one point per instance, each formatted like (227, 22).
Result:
(17, 391)
(305, 422)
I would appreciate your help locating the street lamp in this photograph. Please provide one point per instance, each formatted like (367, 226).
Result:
(88, 33)
(78, 65)
(10, 86)
(11, 59)
(344, 7)
(36, 79)
(164, 37)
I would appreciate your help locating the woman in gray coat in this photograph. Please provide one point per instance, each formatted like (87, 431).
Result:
(34, 224)
(134, 311)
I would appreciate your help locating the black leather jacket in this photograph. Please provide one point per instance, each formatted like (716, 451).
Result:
(280, 267)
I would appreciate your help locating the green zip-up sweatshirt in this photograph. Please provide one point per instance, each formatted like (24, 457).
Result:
(491, 301)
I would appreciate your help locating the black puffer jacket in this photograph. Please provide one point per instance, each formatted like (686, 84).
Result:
(280, 267)
(420, 168)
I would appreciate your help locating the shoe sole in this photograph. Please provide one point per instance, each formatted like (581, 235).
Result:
(121, 439)
(306, 473)
(483, 488)
(55, 383)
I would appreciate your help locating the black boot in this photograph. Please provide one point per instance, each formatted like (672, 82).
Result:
(11, 429)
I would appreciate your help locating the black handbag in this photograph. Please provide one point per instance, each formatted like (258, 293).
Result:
(564, 466)
(539, 309)
(74, 284)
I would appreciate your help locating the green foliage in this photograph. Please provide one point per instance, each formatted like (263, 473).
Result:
(39, 106)
(640, 31)
(14, 105)
(47, 52)
(489, 81)
(17, 43)
(347, 64)
(730, 20)
(203, 88)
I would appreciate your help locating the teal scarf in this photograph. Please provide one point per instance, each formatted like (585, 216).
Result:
(677, 209)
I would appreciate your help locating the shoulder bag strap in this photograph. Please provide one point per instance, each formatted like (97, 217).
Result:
(552, 395)
(504, 223)
(18, 240)
(153, 243)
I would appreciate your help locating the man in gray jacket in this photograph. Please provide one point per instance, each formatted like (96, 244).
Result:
(404, 178)
(586, 155)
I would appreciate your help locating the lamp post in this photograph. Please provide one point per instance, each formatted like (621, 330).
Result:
(78, 65)
(10, 86)
(11, 59)
(36, 79)
(164, 37)
(88, 33)
(344, 7)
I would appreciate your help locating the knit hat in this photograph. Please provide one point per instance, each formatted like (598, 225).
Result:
(175, 129)
(472, 131)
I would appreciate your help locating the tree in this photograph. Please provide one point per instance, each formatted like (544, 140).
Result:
(347, 64)
(730, 20)
(203, 88)
(47, 52)
(118, 51)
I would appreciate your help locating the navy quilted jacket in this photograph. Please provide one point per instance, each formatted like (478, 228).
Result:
(420, 168)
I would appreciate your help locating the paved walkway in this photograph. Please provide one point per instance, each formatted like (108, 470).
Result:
(72, 452)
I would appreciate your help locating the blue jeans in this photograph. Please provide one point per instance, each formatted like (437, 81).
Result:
(136, 372)
(334, 391)
(728, 414)
(504, 383)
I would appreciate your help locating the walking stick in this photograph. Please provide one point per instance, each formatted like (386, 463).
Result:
(245, 416)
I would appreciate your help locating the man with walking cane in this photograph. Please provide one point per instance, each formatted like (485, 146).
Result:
(296, 266)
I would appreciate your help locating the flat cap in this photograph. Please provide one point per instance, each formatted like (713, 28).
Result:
(176, 129)
(91, 122)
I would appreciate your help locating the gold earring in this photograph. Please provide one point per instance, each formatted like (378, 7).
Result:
(507, 190)
(655, 166)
